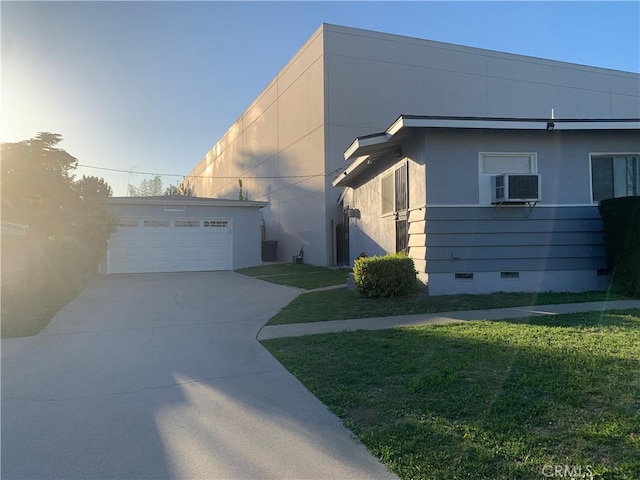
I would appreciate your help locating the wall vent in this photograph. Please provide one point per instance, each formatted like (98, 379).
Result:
(463, 276)
(510, 275)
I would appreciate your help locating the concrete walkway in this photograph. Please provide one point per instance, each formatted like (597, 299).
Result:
(381, 323)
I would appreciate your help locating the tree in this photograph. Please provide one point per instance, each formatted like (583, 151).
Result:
(38, 189)
(69, 227)
(37, 183)
(185, 189)
(92, 223)
(147, 188)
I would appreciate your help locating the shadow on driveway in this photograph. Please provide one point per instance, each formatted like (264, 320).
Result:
(160, 376)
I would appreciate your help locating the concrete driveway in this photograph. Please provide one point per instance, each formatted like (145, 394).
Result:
(160, 376)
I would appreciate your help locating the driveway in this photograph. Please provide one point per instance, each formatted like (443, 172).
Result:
(160, 376)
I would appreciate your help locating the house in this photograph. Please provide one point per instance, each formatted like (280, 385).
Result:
(183, 234)
(491, 204)
(344, 83)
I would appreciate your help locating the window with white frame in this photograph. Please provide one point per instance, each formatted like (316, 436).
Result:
(497, 163)
(614, 175)
(387, 195)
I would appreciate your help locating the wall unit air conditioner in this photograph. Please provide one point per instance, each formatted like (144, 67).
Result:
(515, 188)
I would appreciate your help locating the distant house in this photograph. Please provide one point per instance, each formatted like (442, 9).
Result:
(490, 204)
(345, 82)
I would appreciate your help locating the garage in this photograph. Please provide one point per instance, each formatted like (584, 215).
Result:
(183, 234)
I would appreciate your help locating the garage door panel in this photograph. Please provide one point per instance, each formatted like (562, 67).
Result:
(150, 247)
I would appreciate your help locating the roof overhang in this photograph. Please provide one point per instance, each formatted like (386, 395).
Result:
(188, 201)
(363, 150)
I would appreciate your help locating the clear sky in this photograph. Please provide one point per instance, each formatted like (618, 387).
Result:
(152, 86)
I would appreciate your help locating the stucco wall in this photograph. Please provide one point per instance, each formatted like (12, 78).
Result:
(562, 157)
(280, 136)
(347, 82)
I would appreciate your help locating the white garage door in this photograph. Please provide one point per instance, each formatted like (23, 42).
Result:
(170, 245)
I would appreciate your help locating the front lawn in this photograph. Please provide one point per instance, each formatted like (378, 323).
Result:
(485, 400)
(342, 304)
(298, 275)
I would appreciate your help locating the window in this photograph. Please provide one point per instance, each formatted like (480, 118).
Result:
(216, 223)
(187, 223)
(128, 223)
(394, 191)
(386, 193)
(614, 176)
(157, 223)
(491, 163)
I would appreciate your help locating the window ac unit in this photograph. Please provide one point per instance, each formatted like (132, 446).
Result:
(515, 188)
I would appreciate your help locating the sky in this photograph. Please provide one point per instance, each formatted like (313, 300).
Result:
(136, 88)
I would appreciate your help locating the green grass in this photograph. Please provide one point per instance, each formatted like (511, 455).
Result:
(342, 304)
(298, 275)
(29, 316)
(485, 400)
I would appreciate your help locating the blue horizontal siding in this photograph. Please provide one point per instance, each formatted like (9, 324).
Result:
(479, 239)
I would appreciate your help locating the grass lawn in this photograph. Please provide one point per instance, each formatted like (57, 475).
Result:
(298, 275)
(342, 304)
(30, 318)
(494, 400)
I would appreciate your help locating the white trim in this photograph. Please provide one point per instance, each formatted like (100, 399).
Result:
(470, 123)
(510, 124)
(352, 166)
(359, 143)
(577, 125)
(388, 174)
(194, 201)
(483, 178)
(540, 205)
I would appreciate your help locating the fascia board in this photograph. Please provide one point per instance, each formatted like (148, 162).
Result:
(172, 201)
(350, 169)
(363, 142)
(577, 125)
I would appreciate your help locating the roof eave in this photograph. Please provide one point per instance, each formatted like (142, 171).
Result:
(361, 143)
(362, 147)
(188, 201)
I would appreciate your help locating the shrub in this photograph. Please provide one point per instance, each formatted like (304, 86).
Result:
(388, 276)
(621, 220)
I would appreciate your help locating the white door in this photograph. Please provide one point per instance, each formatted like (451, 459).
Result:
(143, 245)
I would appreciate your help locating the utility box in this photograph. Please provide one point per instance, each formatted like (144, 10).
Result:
(269, 250)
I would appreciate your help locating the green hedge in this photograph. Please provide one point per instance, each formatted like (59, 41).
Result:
(392, 275)
(56, 272)
(621, 220)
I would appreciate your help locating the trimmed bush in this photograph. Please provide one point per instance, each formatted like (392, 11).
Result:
(621, 220)
(392, 275)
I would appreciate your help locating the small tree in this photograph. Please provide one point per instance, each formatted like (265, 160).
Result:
(147, 188)
(184, 189)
